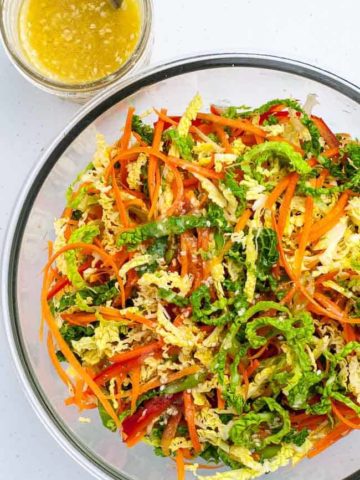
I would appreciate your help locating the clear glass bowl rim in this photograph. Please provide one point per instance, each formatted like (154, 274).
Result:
(61, 88)
(80, 121)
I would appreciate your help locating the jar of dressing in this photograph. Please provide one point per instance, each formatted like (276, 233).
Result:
(74, 48)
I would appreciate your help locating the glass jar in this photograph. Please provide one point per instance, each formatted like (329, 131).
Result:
(9, 28)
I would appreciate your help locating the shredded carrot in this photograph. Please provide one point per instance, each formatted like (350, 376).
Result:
(327, 223)
(220, 399)
(65, 349)
(57, 365)
(333, 309)
(289, 295)
(259, 352)
(286, 203)
(349, 333)
(184, 257)
(343, 419)
(283, 258)
(180, 465)
(184, 164)
(152, 212)
(78, 396)
(124, 142)
(304, 239)
(135, 317)
(252, 367)
(276, 193)
(241, 224)
(79, 318)
(335, 434)
(189, 412)
(154, 171)
(119, 201)
(331, 152)
(233, 123)
(172, 377)
(326, 276)
(107, 259)
(136, 439)
(220, 132)
(170, 432)
(137, 352)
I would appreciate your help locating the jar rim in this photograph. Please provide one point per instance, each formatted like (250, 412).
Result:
(72, 89)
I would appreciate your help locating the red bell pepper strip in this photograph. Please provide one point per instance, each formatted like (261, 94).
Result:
(137, 423)
(117, 369)
(325, 132)
(216, 110)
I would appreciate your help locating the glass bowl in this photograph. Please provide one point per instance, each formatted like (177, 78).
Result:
(9, 31)
(222, 79)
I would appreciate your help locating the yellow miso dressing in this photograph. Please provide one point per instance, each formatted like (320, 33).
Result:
(78, 41)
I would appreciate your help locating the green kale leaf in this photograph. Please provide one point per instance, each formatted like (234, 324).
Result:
(145, 131)
(283, 151)
(163, 228)
(296, 437)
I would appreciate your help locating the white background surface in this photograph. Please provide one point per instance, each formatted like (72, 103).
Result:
(322, 32)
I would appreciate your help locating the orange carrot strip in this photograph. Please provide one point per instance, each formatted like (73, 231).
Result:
(304, 239)
(185, 165)
(335, 434)
(331, 152)
(241, 224)
(135, 387)
(343, 419)
(289, 295)
(124, 142)
(136, 439)
(137, 352)
(349, 333)
(135, 317)
(170, 433)
(220, 132)
(107, 259)
(78, 397)
(334, 309)
(233, 123)
(327, 223)
(65, 349)
(172, 377)
(184, 258)
(119, 202)
(286, 203)
(189, 412)
(57, 365)
(180, 465)
(259, 352)
(278, 190)
(252, 367)
(283, 258)
(79, 318)
(153, 171)
(220, 399)
(156, 194)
